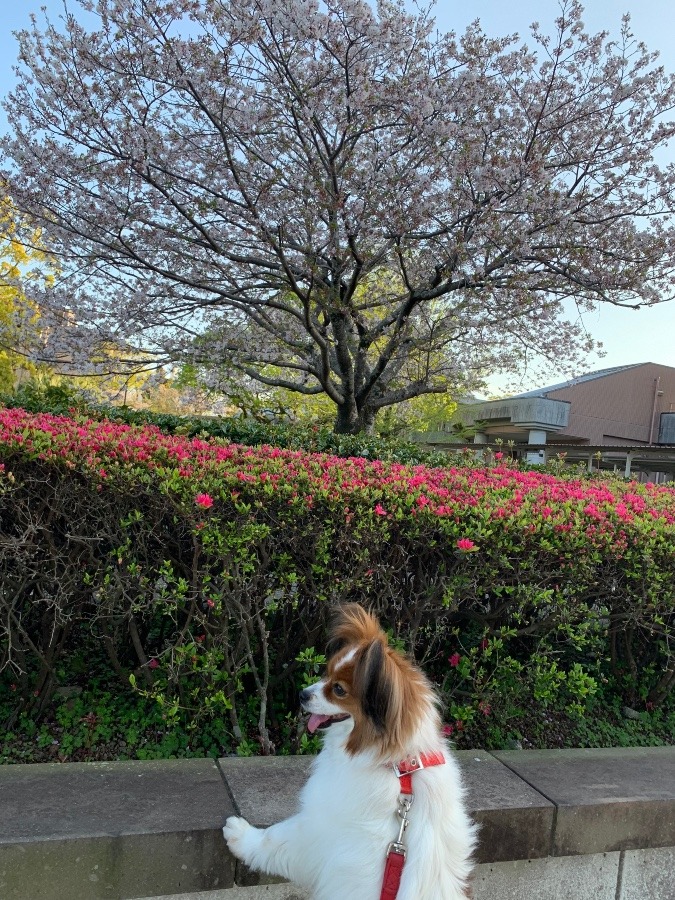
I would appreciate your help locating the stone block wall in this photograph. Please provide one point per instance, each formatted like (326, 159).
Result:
(555, 825)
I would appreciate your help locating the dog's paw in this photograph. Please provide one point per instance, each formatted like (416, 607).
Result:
(235, 832)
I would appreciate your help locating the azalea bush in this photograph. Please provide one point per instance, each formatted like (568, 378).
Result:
(65, 399)
(205, 572)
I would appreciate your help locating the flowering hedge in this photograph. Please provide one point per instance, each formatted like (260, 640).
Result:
(206, 571)
(66, 400)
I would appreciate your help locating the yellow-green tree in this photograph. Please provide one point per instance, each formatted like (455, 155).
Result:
(17, 263)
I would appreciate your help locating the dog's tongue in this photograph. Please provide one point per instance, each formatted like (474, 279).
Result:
(315, 721)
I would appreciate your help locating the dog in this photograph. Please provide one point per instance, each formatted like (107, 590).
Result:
(382, 814)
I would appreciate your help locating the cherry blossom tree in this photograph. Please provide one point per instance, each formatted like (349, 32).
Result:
(336, 198)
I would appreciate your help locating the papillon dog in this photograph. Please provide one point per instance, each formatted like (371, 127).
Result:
(382, 814)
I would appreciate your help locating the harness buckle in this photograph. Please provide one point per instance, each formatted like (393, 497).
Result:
(407, 766)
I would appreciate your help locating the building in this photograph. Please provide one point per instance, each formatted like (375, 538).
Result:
(618, 418)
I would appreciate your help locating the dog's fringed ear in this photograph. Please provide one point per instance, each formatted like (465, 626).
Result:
(374, 685)
(352, 625)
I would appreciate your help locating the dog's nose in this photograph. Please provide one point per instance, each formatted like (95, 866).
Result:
(305, 696)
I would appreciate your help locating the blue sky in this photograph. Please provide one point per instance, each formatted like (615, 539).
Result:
(628, 336)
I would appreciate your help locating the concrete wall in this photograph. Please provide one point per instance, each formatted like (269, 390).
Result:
(555, 825)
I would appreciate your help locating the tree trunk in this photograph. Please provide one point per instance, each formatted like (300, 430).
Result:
(368, 420)
(349, 420)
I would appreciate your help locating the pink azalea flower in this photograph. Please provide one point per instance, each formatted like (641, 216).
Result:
(465, 544)
(454, 660)
(380, 510)
(204, 500)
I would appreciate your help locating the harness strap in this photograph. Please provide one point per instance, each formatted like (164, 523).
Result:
(393, 868)
(407, 768)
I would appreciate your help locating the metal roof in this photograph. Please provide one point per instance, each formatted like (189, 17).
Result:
(590, 376)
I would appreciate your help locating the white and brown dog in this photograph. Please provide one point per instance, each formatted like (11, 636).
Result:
(383, 749)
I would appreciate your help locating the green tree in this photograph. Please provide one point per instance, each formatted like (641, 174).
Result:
(18, 317)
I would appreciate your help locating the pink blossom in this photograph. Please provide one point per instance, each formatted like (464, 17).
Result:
(509, 498)
(153, 664)
(465, 544)
(454, 660)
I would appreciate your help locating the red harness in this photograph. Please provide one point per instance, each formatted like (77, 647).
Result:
(404, 771)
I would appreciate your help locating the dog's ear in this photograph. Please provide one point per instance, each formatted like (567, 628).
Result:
(391, 695)
(374, 685)
(352, 624)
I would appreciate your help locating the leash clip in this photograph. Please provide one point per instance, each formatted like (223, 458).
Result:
(404, 804)
(405, 801)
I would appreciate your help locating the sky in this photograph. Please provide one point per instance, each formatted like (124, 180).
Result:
(628, 336)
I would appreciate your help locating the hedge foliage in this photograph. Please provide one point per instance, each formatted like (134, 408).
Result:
(206, 571)
(65, 400)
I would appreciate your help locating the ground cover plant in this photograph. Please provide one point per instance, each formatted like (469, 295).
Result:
(167, 595)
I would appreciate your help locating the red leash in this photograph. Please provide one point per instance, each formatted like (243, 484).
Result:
(404, 771)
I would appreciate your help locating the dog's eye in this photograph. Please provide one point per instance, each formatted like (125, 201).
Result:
(339, 691)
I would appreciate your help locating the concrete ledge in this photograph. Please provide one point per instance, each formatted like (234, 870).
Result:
(516, 821)
(84, 831)
(615, 799)
(599, 822)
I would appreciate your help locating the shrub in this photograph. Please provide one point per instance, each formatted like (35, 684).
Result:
(206, 571)
(64, 400)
